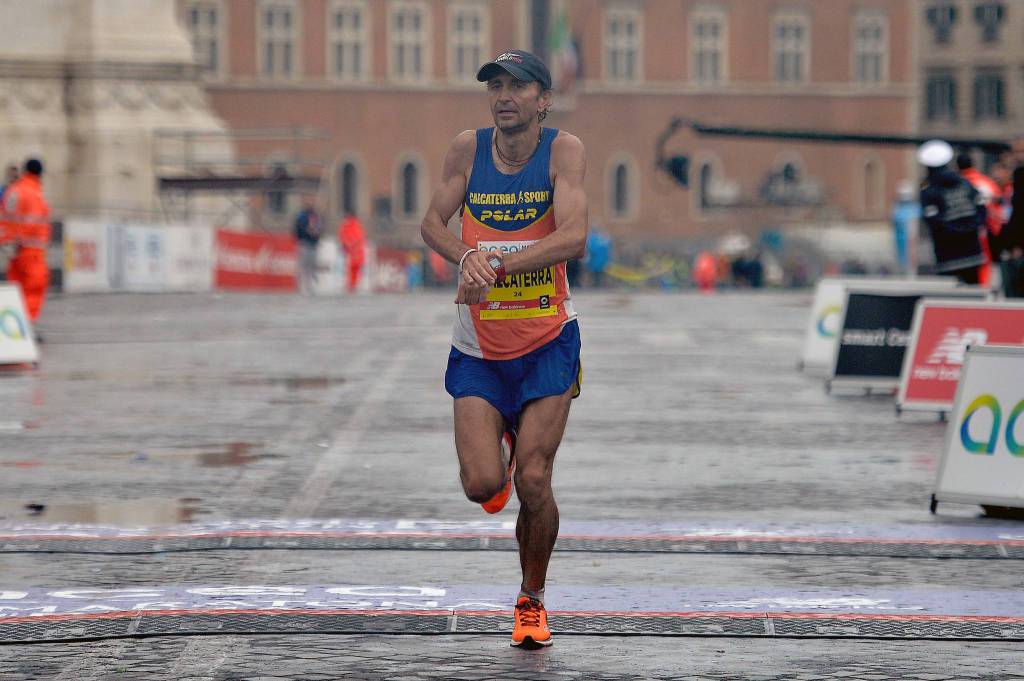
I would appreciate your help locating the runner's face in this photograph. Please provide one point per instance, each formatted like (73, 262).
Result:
(514, 103)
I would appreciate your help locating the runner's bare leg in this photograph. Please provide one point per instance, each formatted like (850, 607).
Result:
(541, 427)
(478, 430)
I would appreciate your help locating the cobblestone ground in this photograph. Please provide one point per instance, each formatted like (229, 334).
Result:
(157, 409)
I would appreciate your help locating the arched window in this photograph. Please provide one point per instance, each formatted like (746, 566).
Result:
(622, 187)
(348, 188)
(873, 197)
(620, 202)
(790, 177)
(277, 200)
(706, 178)
(409, 186)
(410, 189)
(711, 188)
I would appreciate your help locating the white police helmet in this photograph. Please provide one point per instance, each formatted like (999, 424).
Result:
(935, 154)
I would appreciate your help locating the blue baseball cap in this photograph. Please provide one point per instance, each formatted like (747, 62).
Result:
(522, 65)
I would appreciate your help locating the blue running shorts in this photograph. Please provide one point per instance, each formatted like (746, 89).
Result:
(509, 384)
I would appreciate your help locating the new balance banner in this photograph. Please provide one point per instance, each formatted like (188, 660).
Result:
(983, 462)
(942, 332)
(875, 333)
(255, 261)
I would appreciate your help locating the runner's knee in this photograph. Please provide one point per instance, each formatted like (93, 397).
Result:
(480, 487)
(533, 483)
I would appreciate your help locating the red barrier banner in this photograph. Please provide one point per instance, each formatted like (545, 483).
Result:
(941, 334)
(255, 261)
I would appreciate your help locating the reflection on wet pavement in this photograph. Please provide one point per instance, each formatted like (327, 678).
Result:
(290, 382)
(214, 456)
(125, 512)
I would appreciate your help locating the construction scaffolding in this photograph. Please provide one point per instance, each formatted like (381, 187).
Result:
(247, 177)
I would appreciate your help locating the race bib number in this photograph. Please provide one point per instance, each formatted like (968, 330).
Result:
(519, 296)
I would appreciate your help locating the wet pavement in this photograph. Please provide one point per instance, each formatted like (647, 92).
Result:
(162, 410)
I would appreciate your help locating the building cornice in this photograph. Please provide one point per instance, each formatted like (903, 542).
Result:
(37, 70)
(592, 88)
(749, 89)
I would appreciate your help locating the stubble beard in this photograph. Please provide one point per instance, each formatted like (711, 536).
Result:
(510, 128)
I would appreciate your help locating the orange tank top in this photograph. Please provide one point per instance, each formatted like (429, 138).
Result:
(507, 214)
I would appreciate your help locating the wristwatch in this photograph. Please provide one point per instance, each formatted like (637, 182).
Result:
(498, 265)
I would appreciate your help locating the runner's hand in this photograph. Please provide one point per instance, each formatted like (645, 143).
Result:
(471, 294)
(475, 279)
(475, 270)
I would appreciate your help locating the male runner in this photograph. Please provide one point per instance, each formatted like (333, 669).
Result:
(514, 365)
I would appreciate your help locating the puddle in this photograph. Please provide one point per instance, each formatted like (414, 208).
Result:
(210, 456)
(126, 513)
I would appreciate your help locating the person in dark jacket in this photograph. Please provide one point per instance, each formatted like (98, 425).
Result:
(307, 234)
(1009, 247)
(955, 214)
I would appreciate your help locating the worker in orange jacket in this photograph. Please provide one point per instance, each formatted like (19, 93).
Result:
(352, 239)
(25, 220)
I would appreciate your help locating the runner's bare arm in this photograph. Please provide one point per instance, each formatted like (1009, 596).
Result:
(448, 196)
(568, 241)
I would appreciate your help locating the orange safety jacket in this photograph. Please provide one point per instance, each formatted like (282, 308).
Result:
(353, 239)
(25, 215)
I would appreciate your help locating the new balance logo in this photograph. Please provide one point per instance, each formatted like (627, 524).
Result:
(951, 349)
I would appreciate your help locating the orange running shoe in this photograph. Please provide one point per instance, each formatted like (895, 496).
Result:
(508, 451)
(531, 628)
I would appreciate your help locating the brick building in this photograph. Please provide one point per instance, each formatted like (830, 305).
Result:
(392, 81)
(970, 57)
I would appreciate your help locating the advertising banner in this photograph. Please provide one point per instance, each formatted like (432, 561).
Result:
(255, 261)
(390, 271)
(941, 334)
(87, 247)
(822, 329)
(17, 341)
(875, 332)
(983, 462)
(55, 256)
(189, 257)
(143, 259)
(823, 326)
(330, 270)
